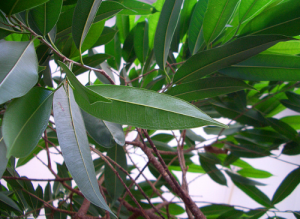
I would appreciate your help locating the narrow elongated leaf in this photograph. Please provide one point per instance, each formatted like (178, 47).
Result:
(5, 28)
(283, 128)
(84, 14)
(112, 182)
(217, 15)
(211, 169)
(254, 193)
(276, 21)
(196, 39)
(16, 6)
(87, 93)
(113, 48)
(229, 131)
(106, 36)
(254, 173)
(148, 109)
(185, 17)
(165, 29)
(122, 23)
(108, 9)
(137, 8)
(46, 15)
(214, 210)
(153, 21)
(3, 150)
(74, 145)
(266, 67)
(243, 180)
(291, 47)
(291, 105)
(19, 71)
(287, 186)
(232, 214)
(224, 56)
(104, 133)
(48, 197)
(141, 41)
(8, 201)
(25, 120)
(293, 121)
(128, 51)
(208, 87)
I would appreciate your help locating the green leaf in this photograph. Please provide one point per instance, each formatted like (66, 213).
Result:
(283, 128)
(175, 209)
(232, 214)
(210, 130)
(128, 51)
(243, 180)
(192, 168)
(287, 186)
(291, 105)
(74, 145)
(254, 173)
(193, 136)
(291, 47)
(196, 39)
(113, 48)
(112, 183)
(214, 210)
(211, 169)
(25, 120)
(141, 41)
(16, 6)
(293, 121)
(47, 198)
(85, 92)
(106, 36)
(83, 17)
(46, 16)
(108, 9)
(91, 61)
(136, 8)
(281, 19)
(266, 67)
(255, 194)
(255, 213)
(224, 56)
(217, 16)
(19, 69)
(291, 148)
(104, 133)
(3, 150)
(165, 29)
(153, 21)
(185, 16)
(5, 28)
(8, 201)
(149, 109)
(207, 87)
(122, 23)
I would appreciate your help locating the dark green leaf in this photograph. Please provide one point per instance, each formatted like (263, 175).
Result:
(224, 56)
(112, 182)
(283, 128)
(214, 210)
(287, 186)
(5, 200)
(19, 69)
(25, 120)
(128, 51)
(3, 150)
(74, 145)
(137, 8)
(243, 180)
(211, 130)
(148, 110)
(207, 87)
(185, 17)
(108, 9)
(113, 48)
(291, 148)
(193, 136)
(16, 6)
(141, 41)
(48, 197)
(165, 29)
(175, 209)
(106, 36)
(231, 214)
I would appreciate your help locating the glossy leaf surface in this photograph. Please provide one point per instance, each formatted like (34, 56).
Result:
(16, 6)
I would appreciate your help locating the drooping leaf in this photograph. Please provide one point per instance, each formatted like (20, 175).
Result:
(207, 87)
(224, 56)
(283, 128)
(104, 133)
(3, 150)
(74, 145)
(266, 67)
(293, 121)
(113, 48)
(141, 41)
(231, 214)
(274, 20)
(254, 173)
(85, 92)
(112, 182)
(210, 130)
(287, 186)
(46, 15)
(48, 197)
(216, 17)
(196, 39)
(153, 21)
(291, 47)
(243, 180)
(106, 36)
(185, 17)
(148, 109)
(16, 6)
(128, 51)
(134, 7)
(165, 29)
(291, 148)
(108, 9)
(5, 200)
(83, 17)
(19, 71)
(214, 210)
(25, 120)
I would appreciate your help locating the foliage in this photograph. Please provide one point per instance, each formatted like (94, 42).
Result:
(179, 65)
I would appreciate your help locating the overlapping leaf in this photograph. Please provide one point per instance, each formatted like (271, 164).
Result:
(16, 6)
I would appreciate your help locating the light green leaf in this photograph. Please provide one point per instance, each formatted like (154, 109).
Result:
(74, 145)
(148, 109)
(217, 16)
(266, 67)
(136, 8)
(83, 17)
(282, 19)
(153, 21)
(3, 150)
(85, 92)
(141, 41)
(207, 87)
(112, 182)
(243, 180)
(15, 6)
(287, 186)
(165, 29)
(104, 133)
(224, 56)
(25, 120)
(19, 69)
(45, 16)
(293, 121)
(196, 39)
(254, 173)
(122, 23)
(291, 47)
(8, 201)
